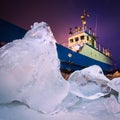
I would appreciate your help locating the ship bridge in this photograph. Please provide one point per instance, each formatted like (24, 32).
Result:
(79, 36)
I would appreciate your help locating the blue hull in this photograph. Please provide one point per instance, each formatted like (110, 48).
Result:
(77, 61)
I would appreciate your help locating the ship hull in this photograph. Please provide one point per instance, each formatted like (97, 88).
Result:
(71, 61)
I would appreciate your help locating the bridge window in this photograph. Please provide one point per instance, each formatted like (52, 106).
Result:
(87, 38)
(82, 37)
(71, 40)
(76, 39)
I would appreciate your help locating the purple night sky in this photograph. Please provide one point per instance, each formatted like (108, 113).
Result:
(63, 14)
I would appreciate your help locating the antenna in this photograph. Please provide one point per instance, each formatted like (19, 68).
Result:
(70, 31)
(96, 26)
(83, 19)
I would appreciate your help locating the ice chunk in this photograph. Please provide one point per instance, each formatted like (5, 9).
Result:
(115, 85)
(112, 104)
(29, 71)
(89, 83)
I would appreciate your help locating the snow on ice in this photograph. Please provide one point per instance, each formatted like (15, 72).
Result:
(32, 87)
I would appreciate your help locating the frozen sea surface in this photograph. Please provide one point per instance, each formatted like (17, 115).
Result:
(32, 87)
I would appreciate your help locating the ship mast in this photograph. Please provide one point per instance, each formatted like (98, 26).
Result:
(83, 19)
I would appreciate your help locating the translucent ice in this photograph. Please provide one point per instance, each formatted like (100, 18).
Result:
(89, 83)
(112, 104)
(29, 71)
(115, 85)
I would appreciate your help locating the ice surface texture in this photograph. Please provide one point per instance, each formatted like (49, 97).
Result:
(29, 74)
(89, 83)
(29, 71)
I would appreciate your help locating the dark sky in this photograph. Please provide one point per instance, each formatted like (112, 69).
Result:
(63, 14)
